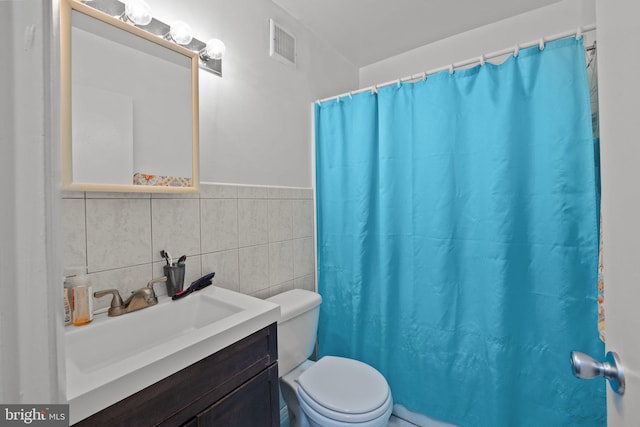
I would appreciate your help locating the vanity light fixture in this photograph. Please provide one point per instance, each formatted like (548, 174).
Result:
(138, 13)
(215, 49)
(181, 33)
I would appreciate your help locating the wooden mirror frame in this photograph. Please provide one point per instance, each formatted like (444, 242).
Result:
(66, 8)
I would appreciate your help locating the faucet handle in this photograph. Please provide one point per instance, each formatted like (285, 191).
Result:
(117, 306)
(153, 282)
(156, 280)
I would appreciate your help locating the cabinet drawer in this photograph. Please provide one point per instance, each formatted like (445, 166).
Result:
(179, 397)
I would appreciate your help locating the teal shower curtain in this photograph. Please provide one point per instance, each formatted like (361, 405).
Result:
(458, 239)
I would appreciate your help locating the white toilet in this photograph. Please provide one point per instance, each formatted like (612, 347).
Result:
(332, 392)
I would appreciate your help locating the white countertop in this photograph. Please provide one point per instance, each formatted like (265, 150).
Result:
(114, 357)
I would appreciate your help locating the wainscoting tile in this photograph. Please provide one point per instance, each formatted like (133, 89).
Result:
(219, 224)
(253, 227)
(254, 268)
(303, 193)
(252, 192)
(218, 191)
(302, 218)
(278, 289)
(118, 233)
(303, 257)
(72, 215)
(175, 225)
(305, 282)
(280, 262)
(258, 239)
(282, 193)
(225, 265)
(280, 220)
(262, 294)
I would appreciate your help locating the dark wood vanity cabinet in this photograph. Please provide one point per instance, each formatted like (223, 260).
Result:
(235, 387)
(249, 405)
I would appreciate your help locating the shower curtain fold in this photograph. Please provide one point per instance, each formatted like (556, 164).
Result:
(457, 239)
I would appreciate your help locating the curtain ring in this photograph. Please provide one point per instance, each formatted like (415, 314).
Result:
(398, 83)
(516, 51)
(374, 89)
(579, 33)
(451, 70)
(350, 95)
(482, 59)
(541, 44)
(424, 75)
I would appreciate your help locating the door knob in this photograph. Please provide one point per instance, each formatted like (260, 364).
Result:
(584, 367)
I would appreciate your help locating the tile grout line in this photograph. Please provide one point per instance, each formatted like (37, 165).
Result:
(86, 235)
(200, 230)
(151, 235)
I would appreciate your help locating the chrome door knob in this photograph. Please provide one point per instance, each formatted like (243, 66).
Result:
(585, 367)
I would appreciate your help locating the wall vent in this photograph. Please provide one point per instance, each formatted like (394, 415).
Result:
(282, 44)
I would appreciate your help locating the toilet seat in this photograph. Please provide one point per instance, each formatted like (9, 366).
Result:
(318, 419)
(312, 407)
(341, 391)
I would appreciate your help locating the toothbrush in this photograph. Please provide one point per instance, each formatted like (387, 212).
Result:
(163, 254)
(170, 259)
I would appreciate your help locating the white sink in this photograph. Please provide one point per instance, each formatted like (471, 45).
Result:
(114, 357)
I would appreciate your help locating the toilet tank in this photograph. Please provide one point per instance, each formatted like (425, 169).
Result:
(297, 327)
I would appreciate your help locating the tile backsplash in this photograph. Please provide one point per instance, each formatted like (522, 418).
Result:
(258, 240)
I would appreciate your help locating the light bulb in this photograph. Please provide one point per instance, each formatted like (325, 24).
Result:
(138, 11)
(181, 33)
(215, 49)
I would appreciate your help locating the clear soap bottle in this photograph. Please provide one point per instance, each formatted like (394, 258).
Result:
(82, 295)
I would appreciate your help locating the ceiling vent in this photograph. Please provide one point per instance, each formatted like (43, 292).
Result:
(282, 44)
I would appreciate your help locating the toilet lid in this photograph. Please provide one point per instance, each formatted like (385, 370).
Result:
(344, 385)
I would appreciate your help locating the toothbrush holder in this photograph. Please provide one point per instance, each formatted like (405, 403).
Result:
(175, 278)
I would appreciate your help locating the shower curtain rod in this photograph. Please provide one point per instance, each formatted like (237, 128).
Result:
(481, 60)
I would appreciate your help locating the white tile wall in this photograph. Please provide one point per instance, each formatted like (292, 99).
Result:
(253, 225)
(280, 220)
(254, 268)
(280, 262)
(118, 233)
(258, 240)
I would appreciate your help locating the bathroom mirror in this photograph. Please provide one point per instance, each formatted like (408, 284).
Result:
(129, 106)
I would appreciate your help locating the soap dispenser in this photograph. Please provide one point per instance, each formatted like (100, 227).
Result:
(82, 301)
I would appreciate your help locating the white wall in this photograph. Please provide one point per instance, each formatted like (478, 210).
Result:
(254, 121)
(31, 358)
(556, 18)
(619, 93)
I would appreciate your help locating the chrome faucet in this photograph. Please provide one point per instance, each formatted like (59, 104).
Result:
(139, 299)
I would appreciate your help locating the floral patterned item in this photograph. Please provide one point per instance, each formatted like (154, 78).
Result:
(160, 180)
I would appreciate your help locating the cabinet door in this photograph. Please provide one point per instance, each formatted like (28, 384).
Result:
(254, 404)
(193, 422)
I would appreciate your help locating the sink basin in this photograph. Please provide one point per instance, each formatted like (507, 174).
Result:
(116, 338)
(114, 357)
